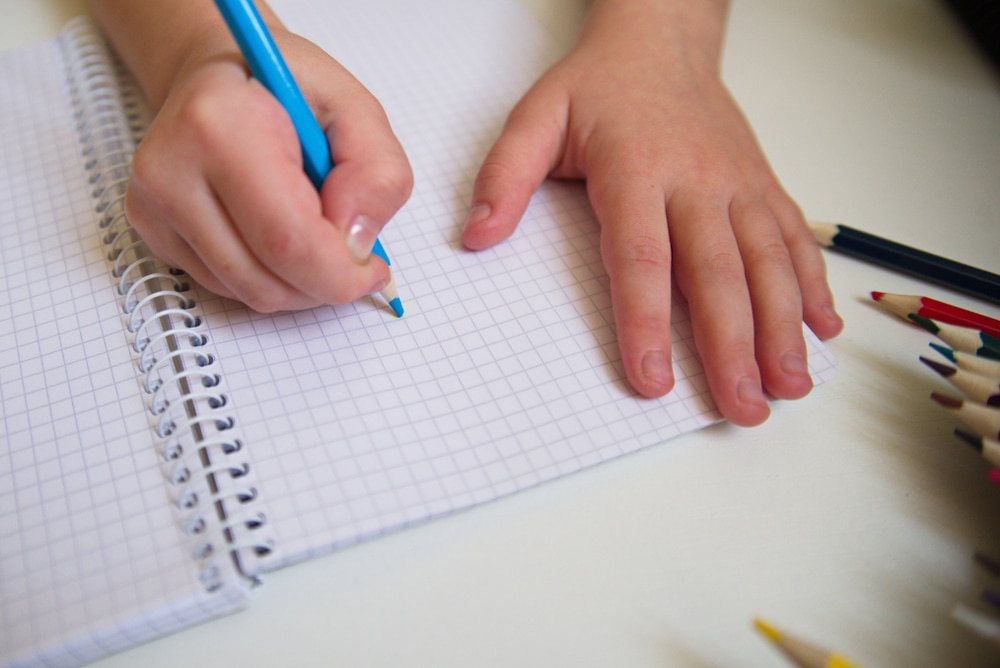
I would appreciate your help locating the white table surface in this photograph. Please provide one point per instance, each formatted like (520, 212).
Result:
(850, 517)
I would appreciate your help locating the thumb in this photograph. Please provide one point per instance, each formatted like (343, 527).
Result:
(527, 150)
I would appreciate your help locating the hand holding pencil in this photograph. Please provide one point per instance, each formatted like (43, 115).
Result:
(218, 186)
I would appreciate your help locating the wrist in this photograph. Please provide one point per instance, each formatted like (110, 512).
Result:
(160, 42)
(688, 32)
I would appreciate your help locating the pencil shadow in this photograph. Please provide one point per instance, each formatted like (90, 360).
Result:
(910, 442)
(952, 476)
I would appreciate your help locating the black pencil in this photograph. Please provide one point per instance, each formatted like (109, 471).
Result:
(989, 448)
(908, 260)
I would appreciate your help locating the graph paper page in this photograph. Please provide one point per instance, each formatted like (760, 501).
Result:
(91, 556)
(504, 373)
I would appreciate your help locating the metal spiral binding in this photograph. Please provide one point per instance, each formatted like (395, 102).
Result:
(197, 441)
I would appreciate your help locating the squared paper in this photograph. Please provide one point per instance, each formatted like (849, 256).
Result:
(504, 373)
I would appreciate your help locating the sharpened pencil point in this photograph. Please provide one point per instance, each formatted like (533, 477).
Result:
(926, 323)
(942, 369)
(801, 652)
(772, 633)
(946, 401)
(877, 296)
(946, 352)
(973, 440)
(397, 307)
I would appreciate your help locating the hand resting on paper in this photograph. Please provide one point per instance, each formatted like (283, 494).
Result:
(680, 187)
(218, 187)
(637, 109)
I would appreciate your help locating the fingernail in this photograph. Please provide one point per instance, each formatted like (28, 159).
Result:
(748, 391)
(794, 364)
(478, 214)
(657, 369)
(361, 237)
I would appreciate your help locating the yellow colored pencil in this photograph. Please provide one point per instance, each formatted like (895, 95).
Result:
(802, 653)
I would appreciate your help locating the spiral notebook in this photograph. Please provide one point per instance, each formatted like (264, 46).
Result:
(163, 448)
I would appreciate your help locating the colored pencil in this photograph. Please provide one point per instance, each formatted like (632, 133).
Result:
(269, 68)
(984, 625)
(989, 448)
(801, 652)
(980, 389)
(904, 305)
(908, 260)
(995, 477)
(965, 339)
(982, 366)
(983, 420)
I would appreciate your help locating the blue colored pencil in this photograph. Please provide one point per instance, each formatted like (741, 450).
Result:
(268, 66)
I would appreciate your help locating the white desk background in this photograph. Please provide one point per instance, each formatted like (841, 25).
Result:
(849, 517)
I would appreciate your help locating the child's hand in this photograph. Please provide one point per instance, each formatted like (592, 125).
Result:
(678, 182)
(218, 187)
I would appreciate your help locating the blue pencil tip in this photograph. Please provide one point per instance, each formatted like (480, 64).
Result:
(397, 307)
(945, 352)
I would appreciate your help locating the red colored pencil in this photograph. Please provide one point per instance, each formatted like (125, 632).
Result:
(995, 476)
(904, 305)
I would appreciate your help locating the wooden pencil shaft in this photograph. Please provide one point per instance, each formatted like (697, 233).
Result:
(921, 264)
(981, 366)
(983, 420)
(984, 625)
(989, 448)
(964, 339)
(981, 389)
(904, 305)
(991, 451)
(801, 652)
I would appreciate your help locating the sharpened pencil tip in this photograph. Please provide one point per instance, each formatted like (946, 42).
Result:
(942, 369)
(946, 401)
(946, 352)
(926, 323)
(973, 440)
(877, 296)
(772, 633)
(397, 307)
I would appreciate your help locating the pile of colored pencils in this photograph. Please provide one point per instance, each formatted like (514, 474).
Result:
(973, 351)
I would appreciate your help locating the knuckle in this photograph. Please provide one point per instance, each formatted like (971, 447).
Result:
(720, 265)
(771, 254)
(279, 248)
(395, 180)
(647, 252)
(643, 251)
(496, 170)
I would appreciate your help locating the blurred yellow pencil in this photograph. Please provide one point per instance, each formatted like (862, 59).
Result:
(802, 653)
